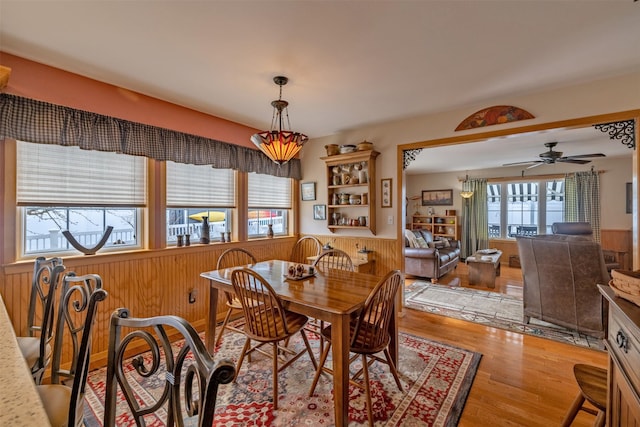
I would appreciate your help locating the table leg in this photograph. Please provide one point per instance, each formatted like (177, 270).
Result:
(340, 348)
(210, 327)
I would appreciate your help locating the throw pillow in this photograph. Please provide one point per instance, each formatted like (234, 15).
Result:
(411, 238)
(421, 243)
(445, 243)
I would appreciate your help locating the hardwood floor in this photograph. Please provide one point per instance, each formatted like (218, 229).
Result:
(522, 380)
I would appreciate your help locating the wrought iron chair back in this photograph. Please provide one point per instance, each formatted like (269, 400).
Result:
(79, 300)
(36, 346)
(191, 378)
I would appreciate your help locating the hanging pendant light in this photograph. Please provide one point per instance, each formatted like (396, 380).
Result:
(466, 193)
(279, 144)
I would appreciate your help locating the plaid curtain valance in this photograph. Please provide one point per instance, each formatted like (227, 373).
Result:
(41, 122)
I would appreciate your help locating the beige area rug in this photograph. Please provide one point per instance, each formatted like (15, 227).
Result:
(490, 309)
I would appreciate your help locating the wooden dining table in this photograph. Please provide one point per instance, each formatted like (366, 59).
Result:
(335, 296)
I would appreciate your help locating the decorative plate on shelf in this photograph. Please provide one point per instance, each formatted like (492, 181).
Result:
(487, 251)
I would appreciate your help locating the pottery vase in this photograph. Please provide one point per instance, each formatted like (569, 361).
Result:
(204, 231)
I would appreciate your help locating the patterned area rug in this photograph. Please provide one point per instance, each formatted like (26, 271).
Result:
(490, 309)
(436, 379)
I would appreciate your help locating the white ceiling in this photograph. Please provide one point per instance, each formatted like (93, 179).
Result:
(350, 63)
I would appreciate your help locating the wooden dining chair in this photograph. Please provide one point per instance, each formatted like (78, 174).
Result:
(63, 399)
(307, 246)
(369, 334)
(232, 258)
(190, 376)
(329, 259)
(334, 258)
(36, 345)
(267, 322)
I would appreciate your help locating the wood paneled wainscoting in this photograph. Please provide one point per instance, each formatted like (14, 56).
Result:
(384, 250)
(148, 283)
(158, 282)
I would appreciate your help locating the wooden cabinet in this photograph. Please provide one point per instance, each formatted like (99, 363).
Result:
(439, 225)
(623, 345)
(351, 181)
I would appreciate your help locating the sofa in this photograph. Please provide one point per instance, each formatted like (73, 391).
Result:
(426, 257)
(560, 277)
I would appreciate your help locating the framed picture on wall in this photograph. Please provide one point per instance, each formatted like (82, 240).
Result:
(320, 212)
(385, 192)
(308, 190)
(437, 197)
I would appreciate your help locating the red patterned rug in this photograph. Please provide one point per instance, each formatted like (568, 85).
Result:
(436, 379)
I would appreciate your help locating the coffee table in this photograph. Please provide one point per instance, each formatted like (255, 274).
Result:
(484, 267)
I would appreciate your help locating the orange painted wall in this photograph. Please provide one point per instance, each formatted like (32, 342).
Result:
(38, 81)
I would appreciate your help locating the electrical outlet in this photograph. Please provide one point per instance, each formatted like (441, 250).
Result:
(193, 293)
(390, 220)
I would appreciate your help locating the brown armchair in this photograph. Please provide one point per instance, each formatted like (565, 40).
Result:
(584, 230)
(560, 274)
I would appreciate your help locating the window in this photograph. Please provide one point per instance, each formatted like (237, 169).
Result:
(194, 192)
(65, 188)
(527, 208)
(522, 209)
(269, 204)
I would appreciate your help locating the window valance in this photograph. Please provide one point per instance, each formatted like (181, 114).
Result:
(41, 122)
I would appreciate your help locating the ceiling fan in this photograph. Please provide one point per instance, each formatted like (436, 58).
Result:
(550, 157)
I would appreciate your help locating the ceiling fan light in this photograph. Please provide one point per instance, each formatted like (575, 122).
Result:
(466, 194)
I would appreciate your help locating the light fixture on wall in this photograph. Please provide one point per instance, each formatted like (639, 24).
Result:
(280, 144)
(466, 192)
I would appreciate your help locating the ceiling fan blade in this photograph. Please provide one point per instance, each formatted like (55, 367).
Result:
(575, 161)
(582, 156)
(535, 165)
(522, 163)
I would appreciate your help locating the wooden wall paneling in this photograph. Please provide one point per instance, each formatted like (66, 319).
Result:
(618, 241)
(385, 254)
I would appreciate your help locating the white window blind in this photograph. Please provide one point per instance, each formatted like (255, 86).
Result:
(267, 191)
(55, 175)
(199, 186)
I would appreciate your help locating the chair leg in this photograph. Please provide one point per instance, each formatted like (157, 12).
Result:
(367, 389)
(323, 359)
(392, 368)
(573, 411)
(247, 345)
(275, 375)
(306, 343)
(600, 419)
(224, 325)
